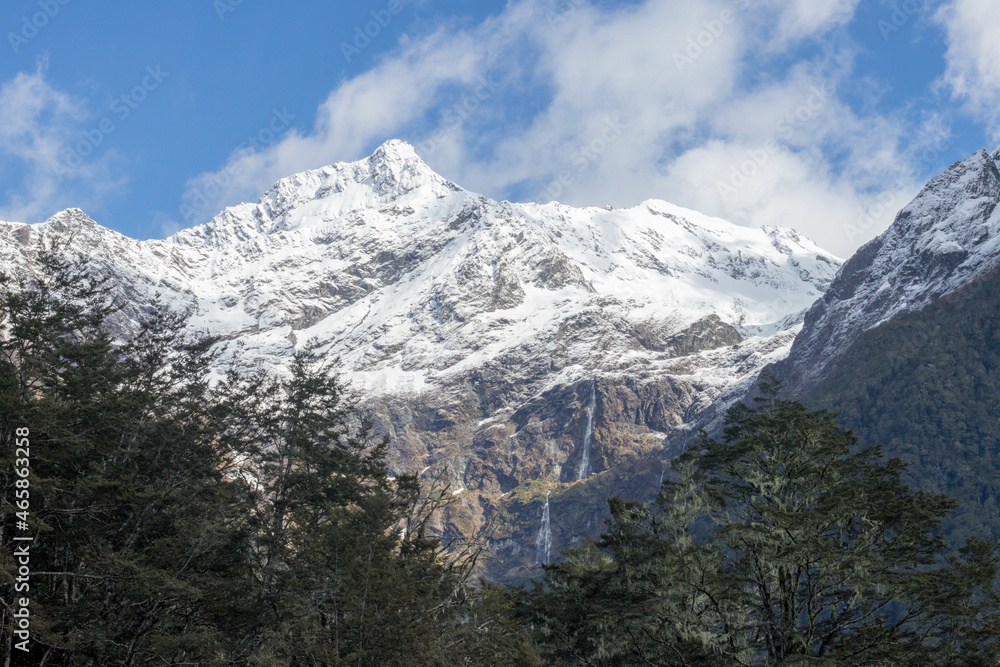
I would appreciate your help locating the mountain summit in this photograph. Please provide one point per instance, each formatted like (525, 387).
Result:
(502, 345)
(538, 358)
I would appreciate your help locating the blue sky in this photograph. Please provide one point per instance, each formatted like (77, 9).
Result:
(821, 115)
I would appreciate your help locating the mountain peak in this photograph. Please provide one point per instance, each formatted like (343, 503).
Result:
(396, 168)
(396, 149)
(71, 218)
(393, 171)
(71, 214)
(476, 313)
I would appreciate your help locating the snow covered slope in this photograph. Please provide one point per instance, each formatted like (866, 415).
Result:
(478, 330)
(944, 239)
(409, 278)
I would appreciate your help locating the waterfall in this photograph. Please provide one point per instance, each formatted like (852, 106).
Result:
(543, 543)
(588, 435)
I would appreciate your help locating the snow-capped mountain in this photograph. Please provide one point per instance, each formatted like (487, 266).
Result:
(946, 238)
(485, 335)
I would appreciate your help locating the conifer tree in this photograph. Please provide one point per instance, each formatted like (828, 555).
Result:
(346, 569)
(783, 544)
(135, 533)
(253, 521)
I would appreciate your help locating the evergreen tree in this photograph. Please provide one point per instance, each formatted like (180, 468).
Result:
(782, 544)
(135, 533)
(346, 569)
(253, 522)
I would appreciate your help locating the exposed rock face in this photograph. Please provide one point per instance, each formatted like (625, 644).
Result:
(708, 333)
(481, 332)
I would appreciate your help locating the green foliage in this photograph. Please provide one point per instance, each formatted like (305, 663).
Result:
(345, 568)
(782, 544)
(250, 521)
(133, 526)
(926, 385)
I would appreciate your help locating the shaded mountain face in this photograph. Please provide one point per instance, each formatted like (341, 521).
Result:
(926, 386)
(905, 345)
(946, 238)
(504, 347)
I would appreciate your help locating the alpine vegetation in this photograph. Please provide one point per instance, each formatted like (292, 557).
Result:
(785, 543)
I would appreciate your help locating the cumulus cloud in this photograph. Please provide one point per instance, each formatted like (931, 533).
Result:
(40, 128)
(973, 57)
(657, 99)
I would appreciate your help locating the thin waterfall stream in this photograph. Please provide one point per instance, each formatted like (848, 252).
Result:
(588, 434)
(543, 543)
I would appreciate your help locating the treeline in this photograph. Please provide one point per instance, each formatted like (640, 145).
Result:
(253, 521)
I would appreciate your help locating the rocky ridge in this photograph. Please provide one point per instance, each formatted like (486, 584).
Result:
(485, 335)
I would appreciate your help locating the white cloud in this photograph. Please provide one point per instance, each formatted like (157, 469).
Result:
(372, 107)
(39, 128)
(801, 19)
(973, 60)
(655, 100)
